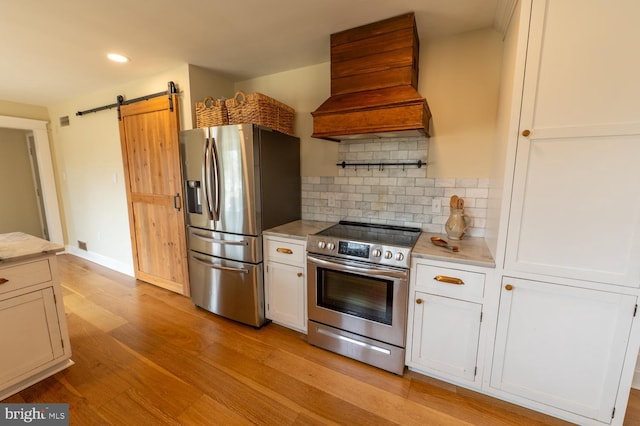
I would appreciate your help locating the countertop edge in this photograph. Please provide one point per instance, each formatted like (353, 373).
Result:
(298, 229)
(17, 246)
(444, 258)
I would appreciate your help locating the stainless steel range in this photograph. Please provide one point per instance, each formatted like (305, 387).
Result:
(358, 287)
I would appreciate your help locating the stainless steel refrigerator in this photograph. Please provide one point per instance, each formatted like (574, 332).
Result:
(239, 180)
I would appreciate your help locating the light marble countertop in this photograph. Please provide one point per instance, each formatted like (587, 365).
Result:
(18, 245)
(472, 251)
(298, 229)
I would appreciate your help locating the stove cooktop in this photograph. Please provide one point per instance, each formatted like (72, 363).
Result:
(374, 243)
(373, 233)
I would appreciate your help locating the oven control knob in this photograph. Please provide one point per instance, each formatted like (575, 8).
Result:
(322, 244)
(399, 256)
(376, 253)
(388, 255)
(331, 246)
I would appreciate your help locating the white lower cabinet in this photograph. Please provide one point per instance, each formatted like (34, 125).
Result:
(445, 335)
(33, 328)
(562, 346)
(34, 335)
(285, 282)
(445, 315)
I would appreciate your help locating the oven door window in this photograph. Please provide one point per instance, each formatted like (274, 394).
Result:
(358, 295)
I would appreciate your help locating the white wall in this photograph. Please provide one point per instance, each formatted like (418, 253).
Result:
(15, 109)
(203, 83)
(90, 172)
(460, 77)
(303, 89)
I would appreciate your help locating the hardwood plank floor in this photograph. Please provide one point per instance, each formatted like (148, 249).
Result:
(144, 355)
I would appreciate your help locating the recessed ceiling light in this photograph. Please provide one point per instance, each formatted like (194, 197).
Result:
(117, 58)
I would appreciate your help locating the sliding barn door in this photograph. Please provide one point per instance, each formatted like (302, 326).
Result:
(149, 134)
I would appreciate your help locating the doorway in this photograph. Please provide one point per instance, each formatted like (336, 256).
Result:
(19, 210)
(49, 195)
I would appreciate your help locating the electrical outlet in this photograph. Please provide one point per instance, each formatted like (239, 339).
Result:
(436, 205)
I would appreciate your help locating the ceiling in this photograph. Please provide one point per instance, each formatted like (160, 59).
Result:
(56, 50)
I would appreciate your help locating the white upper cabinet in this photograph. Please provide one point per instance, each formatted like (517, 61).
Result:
(582, 65)
(575, 209)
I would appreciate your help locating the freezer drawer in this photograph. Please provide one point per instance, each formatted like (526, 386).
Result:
(242, 248)
(234, 290)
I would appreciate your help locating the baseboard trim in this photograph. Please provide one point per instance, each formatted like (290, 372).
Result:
(105, 261)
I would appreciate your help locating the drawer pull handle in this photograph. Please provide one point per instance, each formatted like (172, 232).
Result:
(3, 280)
(508, 287)
(299, 274)
(284, 250)
(448, 280)
(419, 301)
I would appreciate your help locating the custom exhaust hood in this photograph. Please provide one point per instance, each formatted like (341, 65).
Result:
(374, 80)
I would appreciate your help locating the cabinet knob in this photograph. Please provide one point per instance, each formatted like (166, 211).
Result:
(526, 132)
(508, 287)
(284, 250)
(3, 280)
(299, 274)
(419, 301)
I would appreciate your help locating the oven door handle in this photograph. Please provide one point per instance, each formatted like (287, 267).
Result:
(340, 266)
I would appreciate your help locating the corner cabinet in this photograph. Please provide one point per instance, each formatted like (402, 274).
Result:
(567, 333)
(285, 282)
(445, 318)
(33, 326)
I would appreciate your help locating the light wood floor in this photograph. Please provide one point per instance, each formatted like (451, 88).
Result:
(144, 355)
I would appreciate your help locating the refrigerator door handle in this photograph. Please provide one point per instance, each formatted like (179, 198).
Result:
(207, 178)
(222, 268)
(216, 168)
(216, 241)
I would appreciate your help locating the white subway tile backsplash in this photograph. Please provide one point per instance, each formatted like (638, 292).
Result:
(478, 192)
(396, 195)
(445, 183)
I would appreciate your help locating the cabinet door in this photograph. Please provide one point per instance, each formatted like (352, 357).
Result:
(286, 295)
(29, 328)
(575, 212)
(445, 335)
(562, 346)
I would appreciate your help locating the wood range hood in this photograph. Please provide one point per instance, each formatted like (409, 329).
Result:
(374, 80)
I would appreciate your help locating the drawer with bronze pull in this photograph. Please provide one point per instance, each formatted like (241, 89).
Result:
(14, 276)
(455, 283)
(284, 251)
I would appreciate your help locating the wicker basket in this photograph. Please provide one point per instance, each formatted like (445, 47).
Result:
(211, 112)
(256, 108)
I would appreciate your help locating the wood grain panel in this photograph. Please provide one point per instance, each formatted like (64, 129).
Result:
(371, 81)
(149, 137)
(373, 45)
(381, 27)
(381, 120)
(373, 63)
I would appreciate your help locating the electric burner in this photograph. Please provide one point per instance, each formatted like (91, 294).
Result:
(375, 243)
